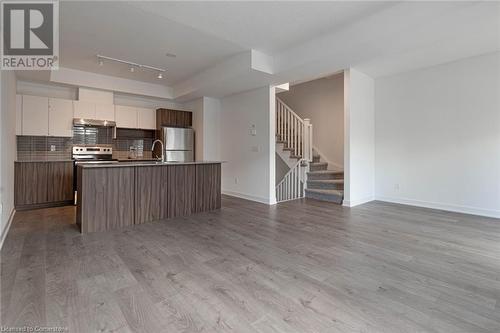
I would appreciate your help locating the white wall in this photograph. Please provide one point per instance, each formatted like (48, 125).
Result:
(196, 107)
(322, 101)
(206, 123)
(145, 102)
(249, 171)
(47, 90)
(71, 92)
(211, 131)
(359, 158)
(7, 149)
(438, 136)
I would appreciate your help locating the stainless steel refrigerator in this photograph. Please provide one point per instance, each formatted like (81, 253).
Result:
(179, 144)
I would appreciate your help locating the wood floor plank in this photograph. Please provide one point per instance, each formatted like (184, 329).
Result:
(299, 266)
(139, 310)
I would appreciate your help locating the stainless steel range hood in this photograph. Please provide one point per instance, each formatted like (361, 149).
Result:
(93, 122)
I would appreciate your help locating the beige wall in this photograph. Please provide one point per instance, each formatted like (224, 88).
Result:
(281, 169)
(322, 101)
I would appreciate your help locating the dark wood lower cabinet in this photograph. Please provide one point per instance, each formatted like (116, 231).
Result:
(181, 190)
(59, 181)
(43, 184)
(105, 198)
(208, 187)
(150, 194)
(113, 197)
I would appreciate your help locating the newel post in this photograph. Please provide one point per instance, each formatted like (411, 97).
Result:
(307, 139)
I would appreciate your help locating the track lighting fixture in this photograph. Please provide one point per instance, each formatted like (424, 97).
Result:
(133, 65)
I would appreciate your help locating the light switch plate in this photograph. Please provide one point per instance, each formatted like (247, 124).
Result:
(253, 130)
(52, 147)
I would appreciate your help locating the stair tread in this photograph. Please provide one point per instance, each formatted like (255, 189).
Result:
(318, 163)
(329, 181)
(326, 172)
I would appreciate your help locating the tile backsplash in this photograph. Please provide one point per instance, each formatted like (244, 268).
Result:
(59, 148)
(141, 140)
(43, 148)
(91, 136)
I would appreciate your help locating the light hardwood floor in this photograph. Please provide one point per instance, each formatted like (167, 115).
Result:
(302, 266)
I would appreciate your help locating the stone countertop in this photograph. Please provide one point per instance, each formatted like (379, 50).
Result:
(139, 159)
(43, 160)
(128, 163)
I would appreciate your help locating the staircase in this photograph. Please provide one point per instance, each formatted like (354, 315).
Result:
(308, 176)
(324, 184)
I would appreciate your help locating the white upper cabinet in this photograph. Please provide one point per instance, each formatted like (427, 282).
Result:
(84, 110)
(105, 112)
(54, 116)
(19, 115)
(60, 117)
(92, 110)
(146, 118)
(126, 116)
(35, 119)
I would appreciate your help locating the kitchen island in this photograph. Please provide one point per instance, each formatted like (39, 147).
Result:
(121, 194)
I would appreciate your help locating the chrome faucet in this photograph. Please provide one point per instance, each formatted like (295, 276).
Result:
(162, 151)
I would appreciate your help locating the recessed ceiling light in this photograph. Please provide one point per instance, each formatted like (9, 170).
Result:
(160, 75)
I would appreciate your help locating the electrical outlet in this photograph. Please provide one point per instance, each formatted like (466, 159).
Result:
(396, 187)
(52, 147)
(236, 180)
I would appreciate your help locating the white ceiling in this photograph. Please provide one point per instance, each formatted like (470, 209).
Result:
(119, 30)
(215, 42)
(265, 26)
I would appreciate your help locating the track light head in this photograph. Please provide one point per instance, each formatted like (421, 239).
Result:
(160, 75)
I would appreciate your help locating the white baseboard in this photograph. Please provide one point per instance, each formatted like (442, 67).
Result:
(263, 200)
(353, 203)
(442, 206)
(5, 230)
